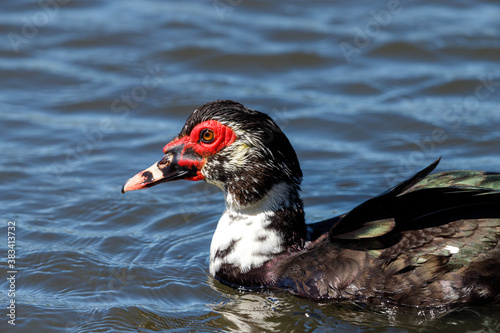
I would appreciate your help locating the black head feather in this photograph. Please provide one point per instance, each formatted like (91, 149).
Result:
(273, 159)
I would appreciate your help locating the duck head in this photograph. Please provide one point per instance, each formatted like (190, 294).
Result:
(241, 151)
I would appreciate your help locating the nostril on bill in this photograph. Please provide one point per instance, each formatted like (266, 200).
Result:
(165, 161)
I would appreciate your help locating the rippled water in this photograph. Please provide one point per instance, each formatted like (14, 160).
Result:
(368, 92)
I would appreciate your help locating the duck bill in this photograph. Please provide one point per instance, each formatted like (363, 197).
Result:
(169, 168)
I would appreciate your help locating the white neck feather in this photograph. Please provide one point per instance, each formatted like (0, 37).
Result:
(242, 237)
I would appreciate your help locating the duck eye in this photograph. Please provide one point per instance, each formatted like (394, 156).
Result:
(207, 135)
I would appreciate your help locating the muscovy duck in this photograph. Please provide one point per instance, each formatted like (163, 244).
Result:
(430, 241)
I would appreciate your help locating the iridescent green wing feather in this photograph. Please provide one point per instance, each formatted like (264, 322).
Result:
(462, 179)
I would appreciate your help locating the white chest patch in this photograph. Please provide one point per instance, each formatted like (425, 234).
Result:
(242, 237)
(243, 241)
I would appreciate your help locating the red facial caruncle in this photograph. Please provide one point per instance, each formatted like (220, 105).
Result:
(185, 156)
(206, 139)
(205, 146)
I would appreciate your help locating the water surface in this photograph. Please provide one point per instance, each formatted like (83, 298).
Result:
(367, 92)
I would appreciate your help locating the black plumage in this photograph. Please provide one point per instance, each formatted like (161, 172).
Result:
(414, 245)
(432, 240)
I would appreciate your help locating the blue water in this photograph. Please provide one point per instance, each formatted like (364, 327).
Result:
(367, 92)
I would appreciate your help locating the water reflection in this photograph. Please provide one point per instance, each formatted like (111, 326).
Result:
(247, 312)
(282, 312)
